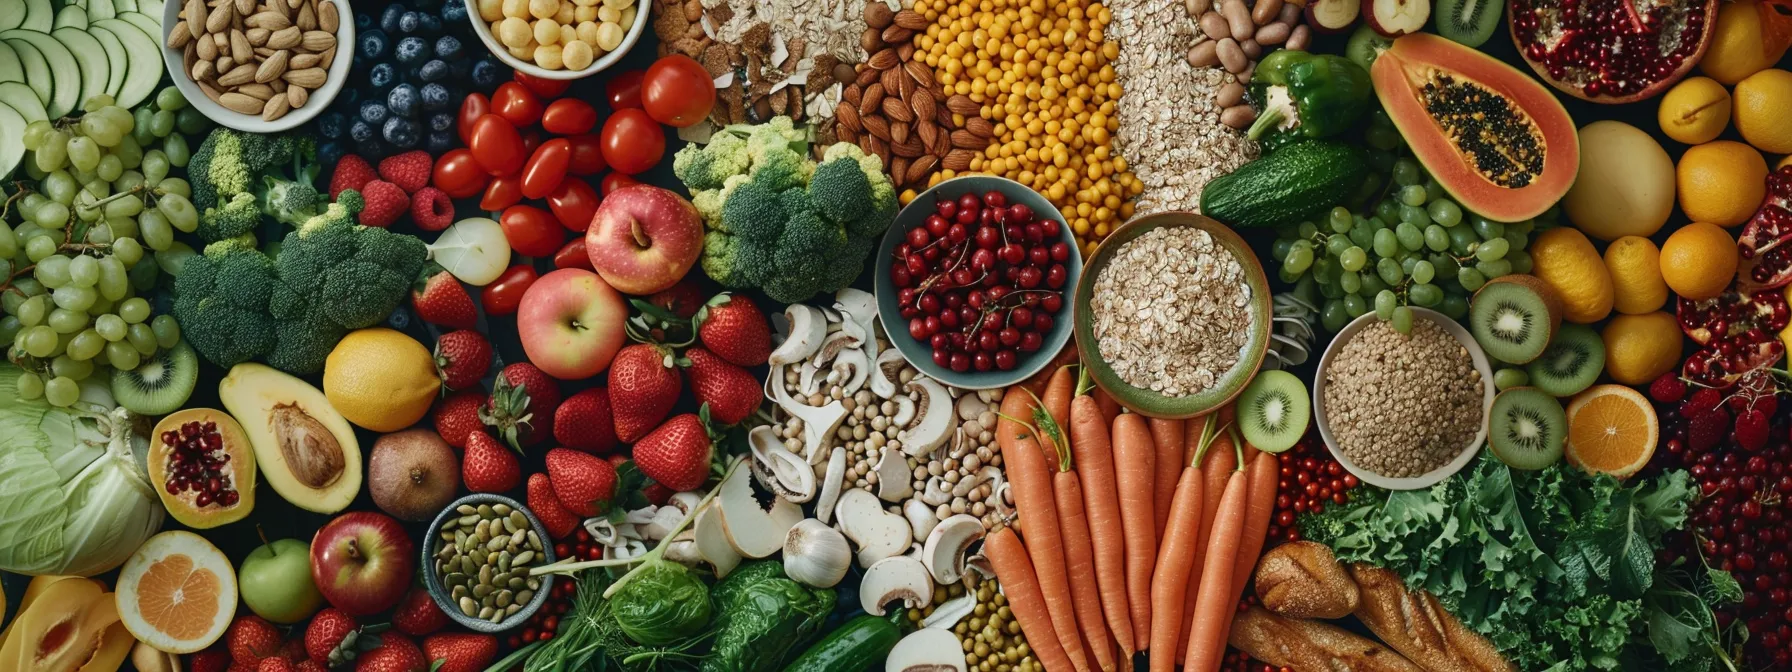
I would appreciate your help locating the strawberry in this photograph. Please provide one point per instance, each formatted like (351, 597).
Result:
(462, 358)
(657, 494)
(731, 392)
(643, 388)
(431, 209)
(1701, 402)
(330, 638)
(583, 482)
(735, 329)
(522, 404)
(274, 664)
(1668, 389)
(396, 653)
(440, 299)
(547, 508)
(309, 665)
(457, 416)
(487, 466)
(677, 454)
(352, 172)
(460, 651)
(214, 659)
(1751, 429)
(417, 614)
(410, 170)
(293, 650)
(583, 422)
(681, 299)
(250, 639)
(1705, 430)
(386, 202)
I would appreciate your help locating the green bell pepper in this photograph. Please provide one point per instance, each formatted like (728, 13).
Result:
(1307, 96)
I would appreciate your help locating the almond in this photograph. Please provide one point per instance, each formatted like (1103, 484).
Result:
(256, 90)
(211, 92)
(923, 105)
(884, 59)
(258, 36)
(240, 103)
(866, 77)
(240, 49)
(895, 34)
(271, 20)
(846, 135)
(286, 38)
(329, 19)
(275, 108)
(851, 95)
(326, 58)
(848, 118)
(309, 78)
(910, 149)
(958, 160)
(206, 49)
(202, 70)
(967, 140)
(905, 51)
(876, 127)
(307, 18)
(896, 110)
(962, 104)
(226, 63)
(317, 41)
(898, 133)
(179, 37)
(980, 126)
(892, 80)
(904, 84)
(302, 61)
(194, 14)
(922, 74)
(927, 131)
(245, 7)
(872, 101)
(236, 75)
(899, 170)
(911, 20)
(273, 67)
(920, 168)
(219, 19)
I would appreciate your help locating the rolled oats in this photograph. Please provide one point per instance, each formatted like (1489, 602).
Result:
(1171, 311)
(1401, 405)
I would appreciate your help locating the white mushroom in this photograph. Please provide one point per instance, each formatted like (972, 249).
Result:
(947, 545)
(712, 542)
(754, 531)
(887, 365)
(935, 492)
(950, 612)
(808, 327)
(664, 519)
(816, 555)
(878, 533)
(921, 518)
(893, 477)
(792, 478)
(899, 578)
(927, 650)
(932, 423)
(685, 501)
(836, 343)
(850, 370)
(682, 549)
(831, 482)
(905, 412)
(819, 423)
(860, 309)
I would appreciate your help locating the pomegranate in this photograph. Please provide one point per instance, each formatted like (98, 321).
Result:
(1611, 51)
(1766, 259)
(1738, 332)
(196, 464)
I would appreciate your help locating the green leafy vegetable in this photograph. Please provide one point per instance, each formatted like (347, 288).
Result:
(663, 605)
(763, 618)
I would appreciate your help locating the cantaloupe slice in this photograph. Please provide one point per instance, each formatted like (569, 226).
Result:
(65, 625)
(177, 592)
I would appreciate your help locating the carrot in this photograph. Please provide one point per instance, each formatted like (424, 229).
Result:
(1025, 600)
(1134, 462)
(1212, 614)
(1167, 436)
(1110, 409)
(1169, 580)
(1094, 457)
(1265, 472)
(1058, 392)
(1079, 564)
(1030, 480)
(1218, 462)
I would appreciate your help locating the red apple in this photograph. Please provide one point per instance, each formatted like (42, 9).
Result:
(362, 562)
(644, 238)
(571, 323)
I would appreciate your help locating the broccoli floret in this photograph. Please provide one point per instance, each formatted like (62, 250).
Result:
(707, 166)
(302, 345)
(809, 245)
(779, 170)
(709, 206)
(753, 212)
(235, 217)
(840, 190)
(292, 201)
(220, 301)
(849, 262)
(734, 262)
(218, 168)
(353, 275)
(231, 163)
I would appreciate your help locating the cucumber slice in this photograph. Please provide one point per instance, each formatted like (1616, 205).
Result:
(71, 17)
(20, 98)
(39, 15)
(96, 72)
(100, 9)
(37, 70)
(151, 26)
(144, 61)
(123, 6)
(11, 70)
(116, 56)
(12, 125)
(63, 69)
(12, 15)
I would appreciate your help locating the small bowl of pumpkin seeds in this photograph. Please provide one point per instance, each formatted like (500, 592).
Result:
(476, 562)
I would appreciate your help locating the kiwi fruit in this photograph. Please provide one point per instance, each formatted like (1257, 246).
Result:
(1514, 317)
(1366, 45)
(1571, 363)
(160, 384)
(1273, 411)
(1526, 428)
(1467, 22)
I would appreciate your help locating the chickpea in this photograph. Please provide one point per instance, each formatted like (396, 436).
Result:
(518, 9)
(546, 32)
(549, 56)
(491, 11)
(544, 9)
(587, 32)
(609, 36)
(514, 33)
(608, 14)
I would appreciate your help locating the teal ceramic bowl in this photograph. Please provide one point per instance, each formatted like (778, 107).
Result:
(1147, 402)
(919, 354)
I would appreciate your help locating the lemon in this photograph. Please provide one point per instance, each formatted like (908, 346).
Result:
(1635, 266)
(1784, 161)
(1721, 182)
(1699, 260)
(381, 379)
(1762, 102)
(1736, 49)
(1566, 260)
(1695, 111)
(1639, 348)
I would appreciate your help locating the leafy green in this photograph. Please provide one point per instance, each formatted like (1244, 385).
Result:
(763, 618)
(663, 605)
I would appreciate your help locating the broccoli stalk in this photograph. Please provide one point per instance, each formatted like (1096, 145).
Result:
(292, 201)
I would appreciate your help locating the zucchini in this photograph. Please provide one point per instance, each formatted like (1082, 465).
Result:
(860, 644)
(1297, 182)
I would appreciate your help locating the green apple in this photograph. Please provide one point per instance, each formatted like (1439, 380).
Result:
(275, 581)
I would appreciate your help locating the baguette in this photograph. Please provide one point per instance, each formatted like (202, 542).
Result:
(1311, 646)
(1413, 623)
(1303, 579)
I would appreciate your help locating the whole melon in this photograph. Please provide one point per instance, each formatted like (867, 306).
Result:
(1626, 183)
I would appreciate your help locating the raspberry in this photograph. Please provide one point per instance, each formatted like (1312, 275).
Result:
(1668, 389)
(1751, 429)
(1701, 402)
(1707, 428)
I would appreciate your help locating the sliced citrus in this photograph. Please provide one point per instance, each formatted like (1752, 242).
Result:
(1611, 430)
(177, 592)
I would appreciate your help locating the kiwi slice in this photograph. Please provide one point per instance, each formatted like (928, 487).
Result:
(1467, 22)
(1571, 363)
(1273, 410)
(160, 384)
(1527, 428)
(1366, 45)
(1514, 317)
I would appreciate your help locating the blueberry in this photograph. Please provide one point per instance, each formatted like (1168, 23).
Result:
(412, 50)
(374, 112)
(410, 22)
(389, 18)
(454, 13)
(348, 101)
(433, 71)
(399, 319)
(401, 132)
(361, 131)
(435, 97)
(382, 76)
(363, 22)
(430, 24)
(487, 73)
(329, 153)
(459, 69)
(331, 125)
(430, 4)
(373, 150)
(403, 100)
(439, 142)
(448, 47)
(442, 121)
(372, 46)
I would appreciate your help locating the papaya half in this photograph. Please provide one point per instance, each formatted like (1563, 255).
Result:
(1492, 136)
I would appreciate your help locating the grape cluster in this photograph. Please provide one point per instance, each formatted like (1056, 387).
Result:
(1413, 246)
(79, 251)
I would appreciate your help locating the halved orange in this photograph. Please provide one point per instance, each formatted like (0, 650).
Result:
(1612, 429)
(177, 592)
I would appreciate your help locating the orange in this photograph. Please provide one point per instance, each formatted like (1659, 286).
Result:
(1738, 46)
(1639, 348)
(1699, 260)
(177, 593)
(1612, 429)
(1721, 182)
(1760, 110)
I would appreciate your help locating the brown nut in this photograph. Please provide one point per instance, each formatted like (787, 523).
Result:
(923, 105)
(1252, 50)
(275, 108)
(911, 20)
(871, 40)
(1230, 55)
(273, 67)
(240, 103)
(195, 16)
(306, 18)
(920, 168)
(876, 127)
(980, 127)
(896, 110)
(237, 74)
(883, 59)
(286, 38)
(962, 104)
(1202, 55)
(329, 18)
(878, 15)
(317, 41)
(919, 71)
(963, 139)
(1272, 34)
(206, 49)
(271, 20)
(871, 102)
(1230, 94)
(848, 118)
(898, 133)
(302, 61)
(256, 91)
(1266, 11)
(1238, 116)
(1298, 39)
(1197, 7)
(1215, 26)
(297, 96)
(180, 37)
(220, 17)
(309, 78)
(1238, 19)
(894, 34)
(957, 160)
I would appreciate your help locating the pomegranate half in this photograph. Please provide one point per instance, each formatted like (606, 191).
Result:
(1611, 51)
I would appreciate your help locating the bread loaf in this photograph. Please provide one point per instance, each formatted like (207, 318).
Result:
(1413, 623)
(1303, 580)
(1311, 646)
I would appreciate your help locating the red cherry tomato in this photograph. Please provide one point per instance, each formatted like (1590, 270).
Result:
(541, 86)
(516, 104)
(458, 174)
(504, 294)
(502, 193)
(476, 105)
(573, 202)
(546, 168)
(569, 116)
(497, 146)
(615, 181)
(587, 155)
(572, 254)
(532, 232)
(531, 140)
(677, 91)
(633, 141)
(624, 90)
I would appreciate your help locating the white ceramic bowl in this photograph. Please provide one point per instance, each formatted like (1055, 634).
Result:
(252, 123)
(1432, 477)
(484, 31)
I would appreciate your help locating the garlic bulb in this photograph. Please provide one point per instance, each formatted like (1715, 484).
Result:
(816, 555)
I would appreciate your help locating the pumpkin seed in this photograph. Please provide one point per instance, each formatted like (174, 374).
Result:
(524, 558)
(504, 598)
(523, 596)
(501, 509)
(465, 509)
(468, 607)
(517, 521)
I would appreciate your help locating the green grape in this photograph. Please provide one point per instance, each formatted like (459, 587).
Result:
(122, 356)
(175, 185)
(97, 101)
(122, 228)
(141, 337)
(1406, 172)
(110, 168)
(53, 271)
(101, 306)
(1336, 245)
(1371, 283)
(1494, 269)
(1434, 190)
(1462, 240)
(1403, 320)
(24, 288)
(167, 330)
(1279, 248)
(1387, 243)
(10, 326)
(190, 121)
(1521, 261)
(1382, 138)
(1300, 257)
(129, 152)
(175, 146)
(170, 98)
(1417, 216)
(1285, 276)
(1508, 378)
(1340, 219)
(1350, 281)
(155, 165)
(1408, 261)
(34, 172)
(60, 186)
(9, 242)
(1445, 212)
(143, 275)
(113, 284)
(83, 153)
(35, 133)
(156, 232)
(1425, 294)
(1492, 250)
(1423, 272)
(110, 327)
(161, 124)
(100, 234)
(1454, 307)
(86, 345)
(1353, 258)
(1470, 279)
(1525, 227)
(1486, 228)
(30, 386)
(1354, 305)
(77, 299)
(1411, 237)
(1306, 230)
(40, 341)
(1330, 290)
(1325, 270)
(133, 311)
(127, 206)
(67, 367)
(1437, 238)
(1412, 195)
(62, 392)
(1333, 316)
(1385, 302)
(1390, 271)
(1362, 236)
(32, 311)
(53, 152)
(66, 321)
(82, 271)
(1388, 210)
(140, 124)
(179, 211)
(175, 257)
(102, 129)
(51, 215)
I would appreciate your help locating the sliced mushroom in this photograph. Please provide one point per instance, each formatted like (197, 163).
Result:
(603, 531)
(808, 326)
(682, 549)
(935, 492)
(819, 423)
(791, 477)
(665, 518)
(878, 533)
(932, 423)
(831, 483)
(927, 650)
(755, 531)
(970, 406)
(685, 501)
(833, 345)
(884, 374)
(806, 382)
(898, 578)
(905, 411)
(632, 548)
(947, 545)
(893, 477)
(921, 517)
(860, 310)
(712, 542)
(850, 370)
(950, 612)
